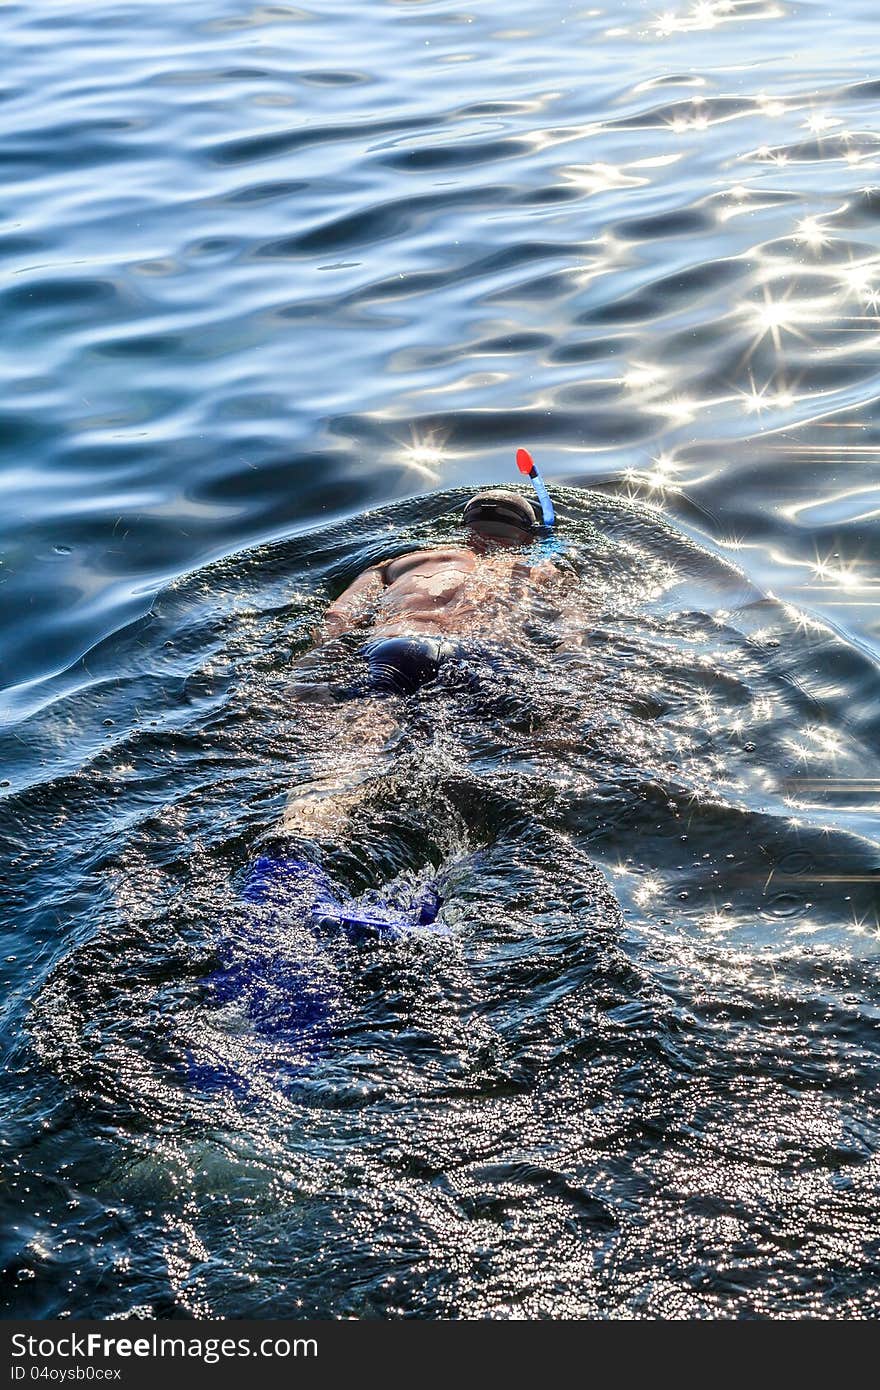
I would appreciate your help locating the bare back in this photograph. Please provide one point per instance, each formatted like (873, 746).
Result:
(437, 593)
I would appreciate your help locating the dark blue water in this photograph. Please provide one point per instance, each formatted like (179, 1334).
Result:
(279, 285)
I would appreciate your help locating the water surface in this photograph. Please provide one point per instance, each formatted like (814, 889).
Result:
(279, 285)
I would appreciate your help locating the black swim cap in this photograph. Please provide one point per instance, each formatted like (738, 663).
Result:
(501, 509)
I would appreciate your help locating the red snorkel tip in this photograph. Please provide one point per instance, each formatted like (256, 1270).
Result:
(524, 462)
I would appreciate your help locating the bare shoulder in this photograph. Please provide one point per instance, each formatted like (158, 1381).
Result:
(428, 560)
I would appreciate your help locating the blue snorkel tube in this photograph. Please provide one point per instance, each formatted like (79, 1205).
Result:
(526, 464)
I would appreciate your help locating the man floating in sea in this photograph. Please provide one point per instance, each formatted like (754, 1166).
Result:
(421, 610)
(428, 613)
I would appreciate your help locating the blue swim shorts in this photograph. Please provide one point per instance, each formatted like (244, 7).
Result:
(402, 665)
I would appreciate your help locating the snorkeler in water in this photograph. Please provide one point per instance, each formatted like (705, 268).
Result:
(422, 614)
(429, 607)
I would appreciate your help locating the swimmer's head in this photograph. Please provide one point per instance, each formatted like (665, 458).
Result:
(501, 515)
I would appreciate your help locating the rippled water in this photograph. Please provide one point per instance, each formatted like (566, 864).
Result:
(279, 285)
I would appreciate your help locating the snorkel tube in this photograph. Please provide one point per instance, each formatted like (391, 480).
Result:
(526, 464)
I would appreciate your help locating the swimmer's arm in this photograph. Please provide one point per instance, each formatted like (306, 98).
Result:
(546, 573)
(542, 576)
(354, 606)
